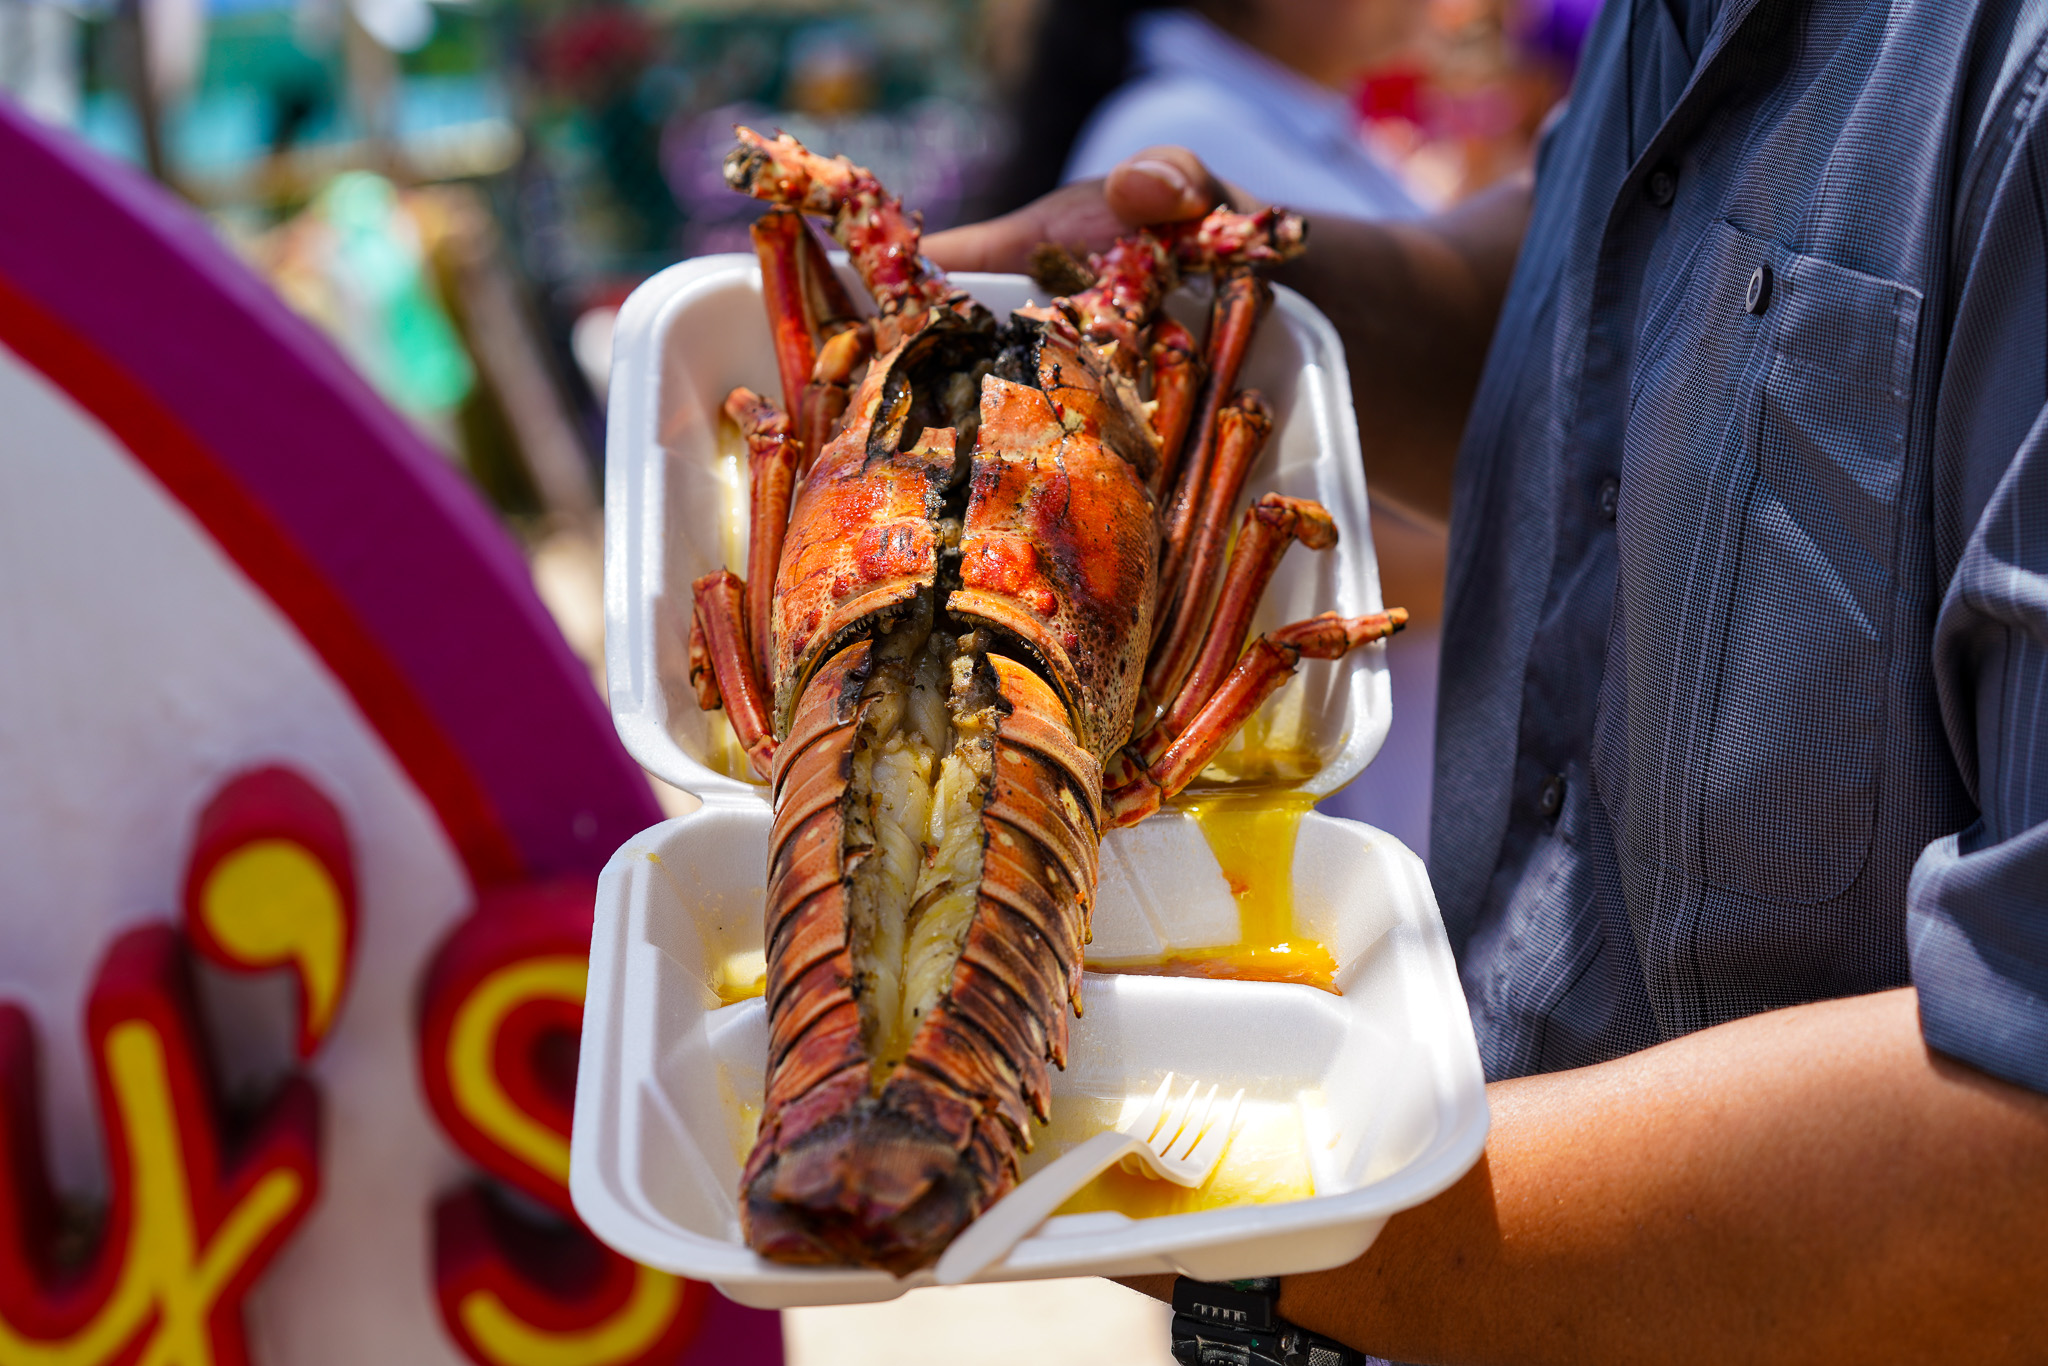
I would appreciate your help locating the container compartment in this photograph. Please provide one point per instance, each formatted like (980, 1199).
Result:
(675, 509)
(1381, 1083)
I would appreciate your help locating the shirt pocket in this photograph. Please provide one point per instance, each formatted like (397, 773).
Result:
(1788, 789)
(1739, 724)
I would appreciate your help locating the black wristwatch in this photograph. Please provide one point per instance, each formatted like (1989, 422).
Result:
(1238, 1323)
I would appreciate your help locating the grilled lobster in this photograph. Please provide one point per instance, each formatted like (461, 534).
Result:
(976, 568)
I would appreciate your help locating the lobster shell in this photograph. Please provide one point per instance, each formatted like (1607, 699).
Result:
(1059, 549)
(959, 627)
(863, 535)
(842, 1173)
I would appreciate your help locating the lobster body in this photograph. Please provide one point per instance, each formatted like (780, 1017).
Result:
(966, 625)
(1035, 537)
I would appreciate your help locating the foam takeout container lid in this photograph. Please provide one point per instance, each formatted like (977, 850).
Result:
(1373, 1096)
(675, 509)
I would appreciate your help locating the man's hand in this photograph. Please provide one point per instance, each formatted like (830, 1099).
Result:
(1415, 301)
(1159, 185)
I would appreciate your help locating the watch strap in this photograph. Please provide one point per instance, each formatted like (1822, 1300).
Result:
(1238, 1323)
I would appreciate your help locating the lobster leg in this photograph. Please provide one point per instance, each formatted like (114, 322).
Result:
(1271, 524)
(1176, 382)
(879, 234)
(779, 238)
(845, 343)
(772, 458)
(719, 629)
(1269, 662)
(1240, 297)
(831, 386)
(1241, 431)
(811, 317)
(828, 303)
(703, 676)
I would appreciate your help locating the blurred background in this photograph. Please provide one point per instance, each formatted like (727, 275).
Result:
(461, 193)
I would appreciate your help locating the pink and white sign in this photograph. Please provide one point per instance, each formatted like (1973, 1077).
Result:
(301, 796)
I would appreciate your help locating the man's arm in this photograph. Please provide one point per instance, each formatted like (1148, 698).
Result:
(1415, 302)
(1808, 1185)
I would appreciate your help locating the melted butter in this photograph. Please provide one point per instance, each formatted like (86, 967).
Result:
(740, 977)
(1251, 831)
(1267, 750)
(1265, 1163)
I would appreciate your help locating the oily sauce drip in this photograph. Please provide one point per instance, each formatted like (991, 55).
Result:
(1266, 753)
(1251, 829)
(1252, 834)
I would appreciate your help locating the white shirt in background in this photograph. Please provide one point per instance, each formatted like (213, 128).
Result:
(1257, 124)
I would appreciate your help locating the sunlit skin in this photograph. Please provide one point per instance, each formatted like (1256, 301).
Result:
(1811, 1184)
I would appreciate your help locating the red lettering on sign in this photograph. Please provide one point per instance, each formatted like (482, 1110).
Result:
(191, 1223)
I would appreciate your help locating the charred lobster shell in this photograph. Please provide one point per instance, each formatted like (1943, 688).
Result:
(974, 566)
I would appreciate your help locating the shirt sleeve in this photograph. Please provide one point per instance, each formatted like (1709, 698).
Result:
(1157, 111)
(1241, 143)
(1977, 906)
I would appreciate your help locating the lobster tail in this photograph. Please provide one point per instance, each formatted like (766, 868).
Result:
(932, 864)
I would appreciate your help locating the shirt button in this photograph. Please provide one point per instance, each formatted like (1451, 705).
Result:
(1759, 297)
(1609, 497)
(1551, 799)
(1662, 186)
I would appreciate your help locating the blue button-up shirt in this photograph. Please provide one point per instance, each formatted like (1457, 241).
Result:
(1745, 690)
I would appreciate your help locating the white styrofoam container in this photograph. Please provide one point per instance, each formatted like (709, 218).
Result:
(674, 510)
(1382, 1080)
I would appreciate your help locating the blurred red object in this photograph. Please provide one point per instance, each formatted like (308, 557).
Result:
(587, 50)
(1392, 93)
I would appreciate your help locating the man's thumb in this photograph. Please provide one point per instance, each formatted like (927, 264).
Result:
(1161, 185)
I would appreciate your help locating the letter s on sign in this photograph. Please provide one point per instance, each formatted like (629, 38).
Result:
(501, 1018)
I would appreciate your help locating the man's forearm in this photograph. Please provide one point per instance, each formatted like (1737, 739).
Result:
(1808, 1185)
(1416, 305)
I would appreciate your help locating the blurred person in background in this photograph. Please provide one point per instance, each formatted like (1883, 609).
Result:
(1262, 91)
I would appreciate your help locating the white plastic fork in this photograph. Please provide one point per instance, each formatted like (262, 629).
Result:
(1182, 1147)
